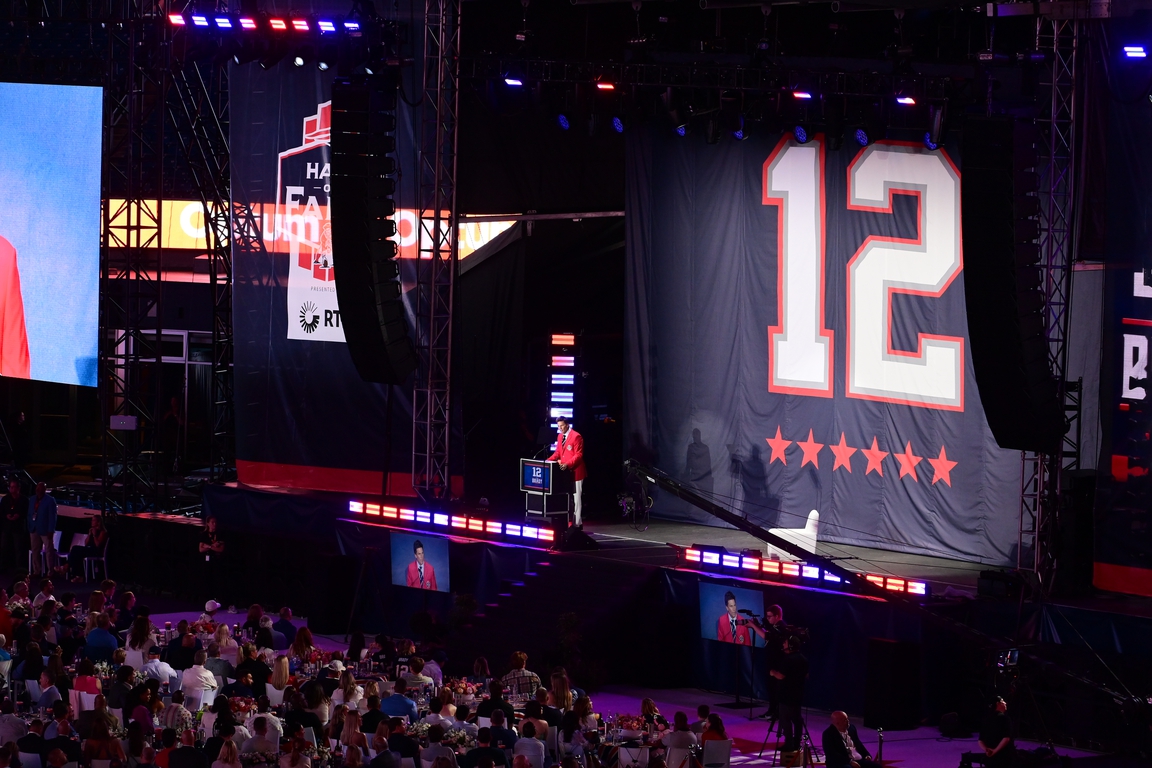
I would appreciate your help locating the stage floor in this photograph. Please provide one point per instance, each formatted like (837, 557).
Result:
(621, 541)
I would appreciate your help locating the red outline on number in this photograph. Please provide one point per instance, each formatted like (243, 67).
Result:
(919, 353)
(825, 332)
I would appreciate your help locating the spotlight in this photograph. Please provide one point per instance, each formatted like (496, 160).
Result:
(682, 130)
(801, 134)
(352, 26)
(604, 85)
(515, 82)
(618, 124)
(298, 61)
(740, 134)
(176, 19)
(861, 137)
(563, 121)
(1135, 52)
(907, 101)
(300, 25)
(805, 95)
(322, 66)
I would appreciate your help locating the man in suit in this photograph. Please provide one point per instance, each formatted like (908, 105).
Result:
(421, 574)
(842, 745)
(32, 743)
(186, 755)
(570, 453)
(731, 627)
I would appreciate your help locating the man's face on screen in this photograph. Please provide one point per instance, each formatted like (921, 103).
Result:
(731, 606)
(420, 555)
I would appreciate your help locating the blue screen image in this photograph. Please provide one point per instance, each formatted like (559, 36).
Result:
(536, 477)
(50, 232)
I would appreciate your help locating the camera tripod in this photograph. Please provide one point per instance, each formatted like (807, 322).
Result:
(807, 746)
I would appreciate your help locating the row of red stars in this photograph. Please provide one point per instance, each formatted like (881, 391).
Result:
(941, 465)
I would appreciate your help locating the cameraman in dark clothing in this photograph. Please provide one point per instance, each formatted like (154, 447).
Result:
(996, 737)
(774, 635)
(792, 672)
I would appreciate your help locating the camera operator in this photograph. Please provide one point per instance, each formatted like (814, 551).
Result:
(776, 631)
(996, 736)
(792, 672)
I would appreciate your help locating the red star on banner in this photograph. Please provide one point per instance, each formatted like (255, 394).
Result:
(843, 453)
(908, 462)
(941, 468)
(779, 445)
(811, 451)
(875, 456)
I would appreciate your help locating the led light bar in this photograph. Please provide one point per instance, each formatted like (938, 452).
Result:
(352, 26)
(372, 509)
(711, 558)
(560, 413)
(562, 397)
(563, 339)
(326, 26)
(224, 22)
(692, 554)
(278, 24)
(751, 563)
(563, 361)
(810, 572)
(1135, 52)
(247, 23)
(440, 519)
(300, 25)
(177, 19)
(801, 95)
(606, 86)
(907, 101)
(790, 569)
(563, 380)
(200, 21)
(731, 561)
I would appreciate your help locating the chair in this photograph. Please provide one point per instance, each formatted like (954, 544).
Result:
(90, 563)
(275, 697)
(679, 758)
(76, 702)
(88, 700)
(62, 543)
(192, 700)
(632, 756)
(219, 681)
(28, 760)
(405, 762)
(134, 659)
(536, 761)
(207, 698)
(34, 691)
(717, 753)
(484, 722)
(550, 742)
(310, 736)
(6, 670)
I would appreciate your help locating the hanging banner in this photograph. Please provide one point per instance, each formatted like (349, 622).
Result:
(796, 340)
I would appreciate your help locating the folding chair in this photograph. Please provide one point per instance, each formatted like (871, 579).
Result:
(34, 691)
(679, 758)
(275, 697)
(717, 754)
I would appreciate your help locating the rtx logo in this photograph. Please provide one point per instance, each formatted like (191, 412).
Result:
(309, 317)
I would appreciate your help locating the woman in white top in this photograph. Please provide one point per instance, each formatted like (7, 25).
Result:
(529, 745)
(141, 638)
(681, 736)
(224, 639)
(583, 709)
(229, 757)
(348, 694)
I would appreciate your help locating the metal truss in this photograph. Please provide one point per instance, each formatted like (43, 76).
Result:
(436, 267)
(200, 112)
(768, 78)
(131, 258)
(1041, 474)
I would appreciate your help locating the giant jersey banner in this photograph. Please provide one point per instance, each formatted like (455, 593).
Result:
(797, 340)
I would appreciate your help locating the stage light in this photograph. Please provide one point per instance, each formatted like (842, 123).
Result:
(298, 61)
(563, 339)
(770, 566)
(917, 588)
(224, 22)
(372, 509)
(740, 134)
(907, 101)
(692, 554)
(560, 413)
(322, 66)
(512, 81)
(751, 563)
(682, 130)
(247, 23)
(563, 361)
(439, 519)
(512, 530)
(730, 561)
(618, 125)
(1135, 52)
(563, 121)
(300, 25)
(810, 572)
(896, 585)
(493, 527)
(711, 558)
(606, 86)
(529, 532)
(563, 379)
(459, 522)
(326, 26)
(861, 137)
(352, 26)
(831, 577)
(801, 134)
(356, 506)
(561, 397)
(278, 24)
(805, 95)
(790, 569)
(877, 580)
(200, 21)
(176, 19)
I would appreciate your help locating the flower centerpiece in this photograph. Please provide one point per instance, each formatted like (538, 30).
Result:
(459, 739)
(103, 669)
(631, 726)
(463, 692)
(259, 758)
(418, 731)
(242, 705)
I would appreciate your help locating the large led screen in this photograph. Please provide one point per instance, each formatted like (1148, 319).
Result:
(50, 232)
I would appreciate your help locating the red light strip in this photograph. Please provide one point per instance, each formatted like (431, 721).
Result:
(563, 339)
(277, 24)
(790, 569)
(372, 509)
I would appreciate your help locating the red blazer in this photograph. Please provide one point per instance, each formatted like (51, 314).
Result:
(724, 631)
(14, 359)
(414, 576)
(570, 453)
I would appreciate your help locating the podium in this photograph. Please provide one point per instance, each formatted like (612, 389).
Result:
(547, 488)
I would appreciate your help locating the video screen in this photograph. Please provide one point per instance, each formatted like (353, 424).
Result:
(50, 232)
(420, 562)
(721, 618)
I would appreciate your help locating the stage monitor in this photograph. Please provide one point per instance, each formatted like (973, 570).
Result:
(50, 232)
(420, 562)
(720, 606)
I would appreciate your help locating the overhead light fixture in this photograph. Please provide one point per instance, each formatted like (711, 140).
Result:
(352, 26)
(224, 22)
(515, 82)
(322, 66)
(618, 125)
(907, 101)
(605, 86)
(1135, 52)
(861, 137)
(298, 61)
(563, 121)
(300, 25)
(200, 21)
(801, 133)
(805, 95)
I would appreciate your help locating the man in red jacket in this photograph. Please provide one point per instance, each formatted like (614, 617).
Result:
(14, 359)
(421, 574)
(570, 453)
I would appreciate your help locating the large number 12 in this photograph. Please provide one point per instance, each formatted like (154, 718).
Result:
(801, 347)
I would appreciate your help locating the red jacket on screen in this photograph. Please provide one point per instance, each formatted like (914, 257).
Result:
(414, 576)
(14, 359)
(570, 453)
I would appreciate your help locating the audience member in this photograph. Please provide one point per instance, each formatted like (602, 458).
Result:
(435, 749)
(400, 742)
(483, 752)
(260, 741)
(681, 736)
(842, 745)
(435, 714)
(530, 745)
(399, 705)
(701, 723)
(495, 700)
(519, 681)
(502, 737)
(168, 738)
(714, 729)
(101, 745)
(285, 626)
(186, 755)
(549, 713)
(228, 757)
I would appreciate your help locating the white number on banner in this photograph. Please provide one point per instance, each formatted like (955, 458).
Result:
(933, 375)
(1135, 366)
(800, 348)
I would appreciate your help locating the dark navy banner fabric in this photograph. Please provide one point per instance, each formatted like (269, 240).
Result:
(796, 340)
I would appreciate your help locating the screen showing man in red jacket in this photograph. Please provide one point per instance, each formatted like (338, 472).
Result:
(570, 453)
(420, 563)
(732, 627)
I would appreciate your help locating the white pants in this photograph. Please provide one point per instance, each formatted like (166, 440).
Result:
(578, 505)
